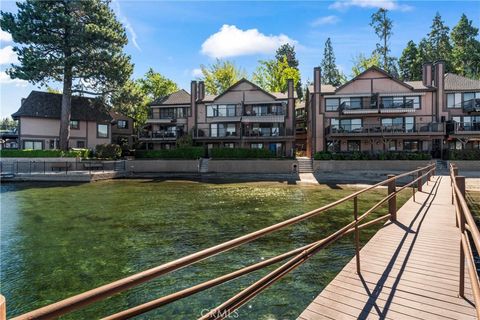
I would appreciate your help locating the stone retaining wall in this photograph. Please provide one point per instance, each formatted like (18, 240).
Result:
(252, 166)
(162, 166)
(368, 165)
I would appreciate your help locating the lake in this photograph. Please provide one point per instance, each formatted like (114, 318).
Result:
(61, 240)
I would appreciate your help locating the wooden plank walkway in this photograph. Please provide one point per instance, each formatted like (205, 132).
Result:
(409, 269)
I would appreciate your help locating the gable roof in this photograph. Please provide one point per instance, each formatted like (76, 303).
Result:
(457, 82)
(40, 104)
(249, 82)
(325, 88)
(180, 97)
(374, 68)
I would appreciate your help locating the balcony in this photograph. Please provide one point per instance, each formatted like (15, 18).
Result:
(266, 133)
(386, 130)
(264, 110)
(467, 128)
(159, 135)
(372, 105)
(471, 106)
(244, 133)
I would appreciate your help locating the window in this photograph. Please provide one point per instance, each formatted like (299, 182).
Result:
(81, 144)
(411, 145)
(74, 124)
(332, 104)
(229, 145)
(221, 110)
(333, 146)
(223, 129)
(53, 144)
(122, 124)
(353, 145)
(355, 103)
(256, 145)
(391, 145)
(32, 145)
(351, 125)
(401, 102)
(454, 100)
(102, 130)
(412, 102)
(405, 124)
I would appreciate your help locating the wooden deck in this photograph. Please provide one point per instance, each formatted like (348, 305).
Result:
(409, 269)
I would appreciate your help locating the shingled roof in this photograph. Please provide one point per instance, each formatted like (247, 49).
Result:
(456, 82)
(180, 97)
(40, 104)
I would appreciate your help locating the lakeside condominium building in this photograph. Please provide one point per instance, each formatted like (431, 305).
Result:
(377, 112)
(243, 116)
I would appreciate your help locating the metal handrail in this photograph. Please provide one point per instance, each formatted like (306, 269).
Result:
(102, 292)
(468, 229)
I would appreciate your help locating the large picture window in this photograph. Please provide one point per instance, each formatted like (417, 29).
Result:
(454, 100)
(223, 129)
(332, 104)
(102, 130)
(221, 110)
(411, 145)
(32, 145)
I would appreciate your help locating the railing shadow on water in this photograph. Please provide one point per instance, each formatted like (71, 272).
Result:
(296, 258)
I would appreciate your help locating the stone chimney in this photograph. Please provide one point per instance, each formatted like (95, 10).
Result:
(427, 74)
(201, 90)
(440, 85)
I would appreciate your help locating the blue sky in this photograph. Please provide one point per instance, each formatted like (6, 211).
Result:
(175, 38)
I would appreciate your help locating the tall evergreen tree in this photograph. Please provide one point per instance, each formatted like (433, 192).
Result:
(288, 51)
(466, 48)
(331, 74)
(68, 41)
(439, 45)
(410, 66)
(383, 29)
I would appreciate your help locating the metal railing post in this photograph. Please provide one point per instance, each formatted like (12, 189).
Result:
(357, 234)
(460, 182)
(392, 202)
(420, 180)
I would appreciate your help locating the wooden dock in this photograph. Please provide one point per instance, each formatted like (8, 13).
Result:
(409, 269)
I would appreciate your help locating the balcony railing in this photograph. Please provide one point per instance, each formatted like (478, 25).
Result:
(160, 135)
(472, 105)
(275, 111)
(243, 133)
(461, 127)
(378, 129)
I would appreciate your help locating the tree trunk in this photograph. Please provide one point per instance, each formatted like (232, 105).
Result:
(66, 109)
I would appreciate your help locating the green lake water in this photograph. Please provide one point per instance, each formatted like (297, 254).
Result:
(60, 240)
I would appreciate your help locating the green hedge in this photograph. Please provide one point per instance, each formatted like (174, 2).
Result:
(179, 153)
(473, 154)
(240, 153)
(108, 151)
(390, 155)
(82, 153)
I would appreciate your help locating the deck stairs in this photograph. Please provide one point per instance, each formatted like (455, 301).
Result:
(203, 166)
(305, 165)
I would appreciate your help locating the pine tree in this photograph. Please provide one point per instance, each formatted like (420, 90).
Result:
(439, 47)
(383, 29)
(466, 48)
(410, 67)
(331, 75)
(68, 41)
(287, 50)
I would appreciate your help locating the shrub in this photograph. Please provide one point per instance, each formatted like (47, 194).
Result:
(179, 153)
(108, 151)
(82, 153)
(473, 154)
(389, 155)
(240, 153)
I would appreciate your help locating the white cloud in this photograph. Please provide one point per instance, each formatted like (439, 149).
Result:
(231, 41)
(386, 4)
(5, 79)
(197, 73)
(126, 23)
(325, 20)
(7, 55)
(5, 36)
